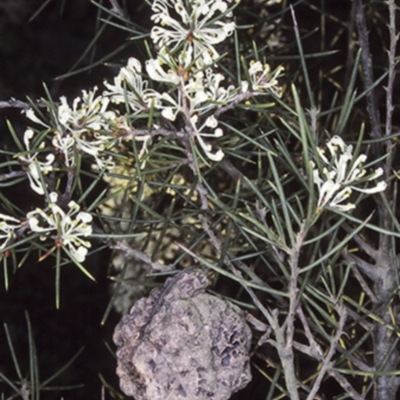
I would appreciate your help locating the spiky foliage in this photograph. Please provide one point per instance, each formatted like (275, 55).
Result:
(242, 145)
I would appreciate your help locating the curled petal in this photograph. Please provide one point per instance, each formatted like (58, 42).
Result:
(79, 253)
(32, 116)
(380, 187)
(326, 193)
(157, 73)
(66, 227)
(341, 174)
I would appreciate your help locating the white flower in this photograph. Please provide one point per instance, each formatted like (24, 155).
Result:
(212, 94)
(87, 113)
(199, 27)
(262, 79)
(339, 197)
(341, 174)
(130, 88)
(32, 116)
(35, 167)
(205, 92)
(8, 226)
(156, 72)
(173, 107)
(67, 229)
(201, 93)
(68, 144)
(211, 122)
(80, 128)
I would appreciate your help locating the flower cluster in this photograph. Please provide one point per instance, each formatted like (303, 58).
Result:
(79, 129)
(185, 61)
(189, 93)
(203, 131)
(130, 88)
(36, 169)
(199, 29)
(185, 35)
(67, 229)
(341, 174)
(8, 226)
(263, 79)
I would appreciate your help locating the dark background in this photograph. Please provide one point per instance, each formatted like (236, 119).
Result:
(32, 53)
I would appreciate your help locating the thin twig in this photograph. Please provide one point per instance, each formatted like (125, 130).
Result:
(364, 285)
(309, 324)
(351, 48)
(143, 133)
(361, 243)
(315, 351)
(390, 85)
(368, 269)
(13, 103)
(11, 175)
(373, 111)
(234, 103)
(287, 354)
(326, 363)
(344, 383)
(314, 348)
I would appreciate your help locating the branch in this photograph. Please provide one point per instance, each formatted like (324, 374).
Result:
(11, 175)
(318, 353)
(231, 106)
(370, 270)
(143, 133)
(326, 363)
(13, 103)
(369, 250)
(372, 108)
(364, 285)
(314, 350)
(344, 383)
(390, 85)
